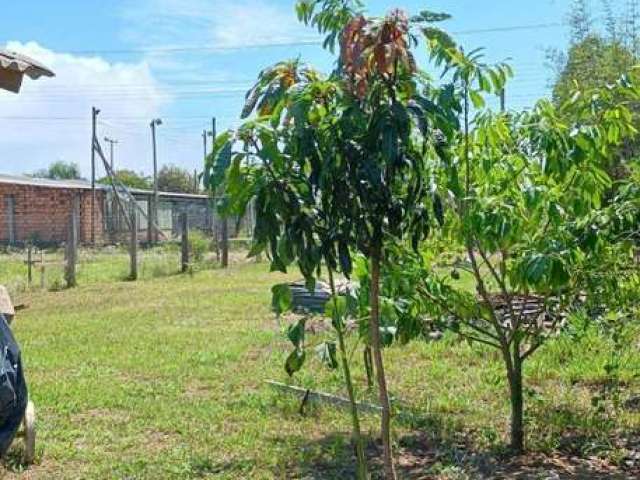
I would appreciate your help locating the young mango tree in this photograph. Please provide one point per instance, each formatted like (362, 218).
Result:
(278, 169)
(383, 135)
(341, 164)
(534, 181)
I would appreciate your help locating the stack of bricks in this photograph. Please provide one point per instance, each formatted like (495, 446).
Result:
(42, 213)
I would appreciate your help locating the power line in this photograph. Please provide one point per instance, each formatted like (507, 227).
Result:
(303, 42)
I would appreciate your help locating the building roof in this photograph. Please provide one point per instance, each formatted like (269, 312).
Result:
(45, 182)
(85, 185)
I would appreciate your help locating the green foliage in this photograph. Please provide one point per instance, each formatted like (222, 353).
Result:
(199, 245)
(329, 17)
(172, 178)
(597, 58)
(130, 179)
(60, 170)
(282, 298)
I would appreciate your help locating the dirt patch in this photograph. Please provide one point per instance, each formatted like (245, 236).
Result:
(420, 457)
(42, 470)
(101, 415)
(156, 441)
(197, 390)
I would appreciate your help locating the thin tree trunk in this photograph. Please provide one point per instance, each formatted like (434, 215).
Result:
(514, 372)
(374, 331)
(368, 365)
(361, 473)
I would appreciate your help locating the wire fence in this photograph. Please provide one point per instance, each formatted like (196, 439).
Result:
(189, 238)
(31, 268)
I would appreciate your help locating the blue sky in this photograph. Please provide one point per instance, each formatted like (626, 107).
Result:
(188, 60)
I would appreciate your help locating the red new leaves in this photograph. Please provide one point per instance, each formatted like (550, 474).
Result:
(375, 48)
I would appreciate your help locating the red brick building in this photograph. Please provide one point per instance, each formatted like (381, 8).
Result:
(39, 210)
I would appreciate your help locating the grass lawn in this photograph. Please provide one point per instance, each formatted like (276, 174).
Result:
(164, 378)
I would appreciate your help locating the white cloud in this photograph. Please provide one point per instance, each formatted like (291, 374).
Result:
(213, 23)
(51, 118)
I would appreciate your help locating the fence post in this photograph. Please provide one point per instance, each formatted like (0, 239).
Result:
(133, 245)
(72, 244)
(29, 263)
(184, 226)
(42, 270)
(225, 242)
(149, 220)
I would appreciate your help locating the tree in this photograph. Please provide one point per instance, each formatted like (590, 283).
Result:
(172, 178)
(295, 223)
(60, 170)
(354, 149)
(527, 226)
(130, 179)
(597, 58)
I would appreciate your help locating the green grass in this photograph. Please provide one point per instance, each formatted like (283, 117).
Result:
(164, 378)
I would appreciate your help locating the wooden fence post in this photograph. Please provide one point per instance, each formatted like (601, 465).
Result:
(42, 270)
(72, 244)
(29, 263)
(184, 226)
(133, 245)
(149, 220)
(225, 241)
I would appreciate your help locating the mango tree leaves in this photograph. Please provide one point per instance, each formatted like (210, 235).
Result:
(218, 161)
(294, 361)
(295, 333)
(281, 299)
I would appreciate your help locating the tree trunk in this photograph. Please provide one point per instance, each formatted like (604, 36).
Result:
(368, 366)
(361, 473)
(514, 372)
(374, 331)
(355, 420)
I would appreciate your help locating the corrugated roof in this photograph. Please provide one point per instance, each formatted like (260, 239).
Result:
(45, 182)
(85, 185)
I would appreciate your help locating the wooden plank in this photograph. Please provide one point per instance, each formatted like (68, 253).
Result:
(322, 397)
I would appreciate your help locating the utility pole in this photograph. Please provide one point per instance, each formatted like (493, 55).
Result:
(153, 219)
(94, 119)
(204, 143)
(111, 143)
(225, 222)
(503, 100)
(205, 134)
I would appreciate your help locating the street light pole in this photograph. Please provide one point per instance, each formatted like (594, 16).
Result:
(94, 119)
(154, 217)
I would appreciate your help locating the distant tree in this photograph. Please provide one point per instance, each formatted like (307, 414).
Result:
(130, 179)
(598, 57)
(60, 170)
(594, 62)
(172, 178)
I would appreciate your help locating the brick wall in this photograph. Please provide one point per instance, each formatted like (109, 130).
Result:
(43, 213)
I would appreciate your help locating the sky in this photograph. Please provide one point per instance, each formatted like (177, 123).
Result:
(186, 61)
